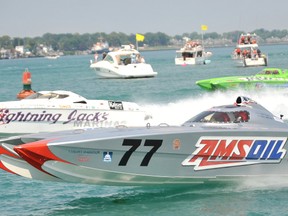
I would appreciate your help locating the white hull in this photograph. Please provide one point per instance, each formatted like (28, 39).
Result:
(74, 112)
(52, 57)
(107, 70)
(248, 62)
(44, 120)
(124, 63)
(71, 173)
(190, 61)
(192, 54)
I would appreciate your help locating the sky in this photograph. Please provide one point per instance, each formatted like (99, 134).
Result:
(31, 18)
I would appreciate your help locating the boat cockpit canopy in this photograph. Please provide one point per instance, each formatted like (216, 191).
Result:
(270, 71)
(221, 117)
(50, 95)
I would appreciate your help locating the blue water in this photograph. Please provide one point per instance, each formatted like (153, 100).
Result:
(171, 97)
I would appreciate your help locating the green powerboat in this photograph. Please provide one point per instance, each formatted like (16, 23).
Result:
(268, 77)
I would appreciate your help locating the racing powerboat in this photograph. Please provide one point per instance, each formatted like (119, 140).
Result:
(268, 77)
(247, 52)
(125, 63)
(47, 111)
(225, 143)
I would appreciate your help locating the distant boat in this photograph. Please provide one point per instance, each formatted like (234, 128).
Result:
(247, 52)
(124, 63)
(192, 53)
(53, 56)
(100, 47)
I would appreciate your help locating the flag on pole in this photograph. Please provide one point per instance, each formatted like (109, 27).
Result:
(204, 27)
(139, 37)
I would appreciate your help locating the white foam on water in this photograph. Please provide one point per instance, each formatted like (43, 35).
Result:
(179, 111)
(263, 183)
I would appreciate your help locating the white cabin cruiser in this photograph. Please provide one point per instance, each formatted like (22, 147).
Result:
(123, 63)
(226, 143)
(247, 52)
(47, 111)
(192, 53)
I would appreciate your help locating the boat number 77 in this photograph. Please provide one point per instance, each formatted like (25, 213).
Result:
(135, 143)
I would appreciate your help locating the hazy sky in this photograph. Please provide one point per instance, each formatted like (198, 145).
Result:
(30, 18)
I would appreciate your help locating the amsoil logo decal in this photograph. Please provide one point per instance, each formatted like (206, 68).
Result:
(215, 152)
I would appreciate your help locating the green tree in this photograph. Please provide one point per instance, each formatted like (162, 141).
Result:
(6, 42)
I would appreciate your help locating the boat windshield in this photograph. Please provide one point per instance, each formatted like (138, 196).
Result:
(51, 95)
(221, 117)
(109, 59)
(128, 58)
(125, 59)
(269, 72)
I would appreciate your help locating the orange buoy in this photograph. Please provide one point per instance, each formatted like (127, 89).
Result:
(26, 79)
(27, 90)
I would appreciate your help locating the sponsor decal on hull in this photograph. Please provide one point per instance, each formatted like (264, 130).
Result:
(115, 105)
(44, 116)
(107, 156)
(220, 152)
(99, 124)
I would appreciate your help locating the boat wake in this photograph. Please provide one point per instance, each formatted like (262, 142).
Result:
(177, 112)
(213, 199)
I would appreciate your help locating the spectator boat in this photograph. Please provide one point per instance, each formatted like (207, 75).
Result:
(247, 52)
(126, 63)
(191, 54)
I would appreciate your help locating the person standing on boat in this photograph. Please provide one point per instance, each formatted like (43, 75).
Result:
(104, 55)
(140, 59)
(238, 51)
(259, 53)
(255, 55)
(248, 39)
(244, 53)
(133, 58)
(96, 57)
(242, 40)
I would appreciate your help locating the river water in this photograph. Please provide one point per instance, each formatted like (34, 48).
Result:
(172, 97)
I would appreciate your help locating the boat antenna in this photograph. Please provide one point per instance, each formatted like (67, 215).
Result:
(202, 39)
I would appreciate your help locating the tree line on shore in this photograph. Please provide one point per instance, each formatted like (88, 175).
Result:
(70, 43)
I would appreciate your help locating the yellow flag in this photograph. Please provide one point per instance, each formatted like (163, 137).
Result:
(204, 27)
(139, 37)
